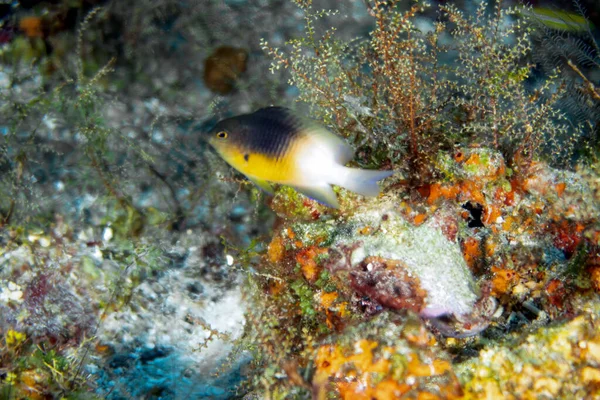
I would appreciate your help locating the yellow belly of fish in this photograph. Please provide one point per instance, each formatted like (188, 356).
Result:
(265, 168)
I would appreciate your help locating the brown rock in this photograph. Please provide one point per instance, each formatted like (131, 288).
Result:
(223, 67)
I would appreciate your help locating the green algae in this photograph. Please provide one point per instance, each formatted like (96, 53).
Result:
(305, 296)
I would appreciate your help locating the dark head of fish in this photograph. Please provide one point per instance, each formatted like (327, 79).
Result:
(267, 131)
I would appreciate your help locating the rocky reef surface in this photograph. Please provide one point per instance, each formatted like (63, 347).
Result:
(503, 273)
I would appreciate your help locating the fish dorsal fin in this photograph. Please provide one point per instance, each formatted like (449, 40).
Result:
(322, 193)
(342, 151)
(264, 185)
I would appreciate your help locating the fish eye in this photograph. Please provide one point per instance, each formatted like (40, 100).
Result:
(222, 135)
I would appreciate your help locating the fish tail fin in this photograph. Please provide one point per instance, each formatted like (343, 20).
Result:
(360, 181)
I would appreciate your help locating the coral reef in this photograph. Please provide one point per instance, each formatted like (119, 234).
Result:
(478, 256)
(561, 361)
(391, 360)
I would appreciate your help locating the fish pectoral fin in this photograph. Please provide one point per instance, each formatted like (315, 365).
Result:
(322, 193)
(264, 185)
